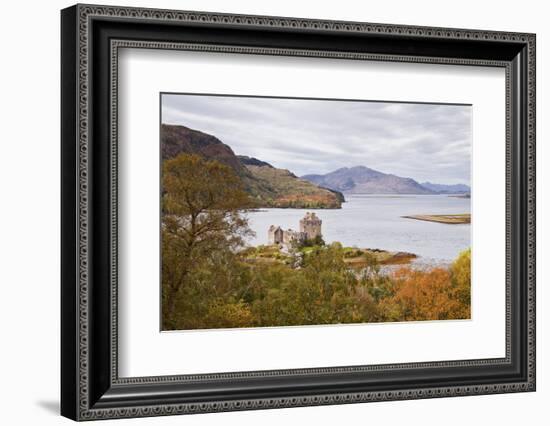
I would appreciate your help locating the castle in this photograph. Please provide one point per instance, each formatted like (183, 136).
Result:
(310, 228)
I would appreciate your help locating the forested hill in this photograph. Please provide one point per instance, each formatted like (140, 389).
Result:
(267, 185)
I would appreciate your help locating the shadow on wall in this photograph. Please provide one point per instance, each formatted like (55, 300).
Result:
(50, 406)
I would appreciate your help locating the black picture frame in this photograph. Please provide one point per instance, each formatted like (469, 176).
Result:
(90, 386)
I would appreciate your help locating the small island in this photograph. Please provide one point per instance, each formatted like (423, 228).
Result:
(355, 258)
(450, 219)
(288, 246)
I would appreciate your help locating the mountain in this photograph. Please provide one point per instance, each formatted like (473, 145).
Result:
(363, 180)
(179, 139)
(447, 189)
(267, 185)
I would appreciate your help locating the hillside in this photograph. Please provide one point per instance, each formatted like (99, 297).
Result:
(363, 180)
(251, 161)
(267, 185)
(179, 139)
(294, 192)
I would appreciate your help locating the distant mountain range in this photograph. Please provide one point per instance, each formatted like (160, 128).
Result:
(267, 185)
(459, 188)
(364, 180)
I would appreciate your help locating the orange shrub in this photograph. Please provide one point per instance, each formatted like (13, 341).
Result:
(423, 295)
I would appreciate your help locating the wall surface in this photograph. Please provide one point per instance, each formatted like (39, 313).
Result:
(29, 225)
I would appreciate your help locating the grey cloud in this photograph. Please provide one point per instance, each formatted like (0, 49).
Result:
(422, 141)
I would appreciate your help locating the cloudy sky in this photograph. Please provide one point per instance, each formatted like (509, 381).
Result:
(426, 142)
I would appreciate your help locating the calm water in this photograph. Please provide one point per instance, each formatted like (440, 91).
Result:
(374, 221)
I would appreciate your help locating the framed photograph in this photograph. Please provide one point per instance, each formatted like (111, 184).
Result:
(263, 212)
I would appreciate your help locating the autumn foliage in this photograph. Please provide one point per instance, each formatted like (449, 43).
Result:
(208, 282)
(425, 295)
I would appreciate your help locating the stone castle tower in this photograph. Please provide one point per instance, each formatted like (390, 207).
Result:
(311, 225)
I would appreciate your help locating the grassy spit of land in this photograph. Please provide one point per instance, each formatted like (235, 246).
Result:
(356, 258)
(451, 219)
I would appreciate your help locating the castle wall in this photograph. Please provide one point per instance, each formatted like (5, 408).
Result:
(275, 235)
(310, 227)
(290, 236)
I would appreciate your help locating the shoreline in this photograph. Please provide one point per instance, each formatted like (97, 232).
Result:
(353, 257)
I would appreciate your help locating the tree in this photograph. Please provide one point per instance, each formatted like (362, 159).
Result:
(202, 224)
(376, 283)
(421, 295)
(324, 290)
(461, 276)
(311, 242)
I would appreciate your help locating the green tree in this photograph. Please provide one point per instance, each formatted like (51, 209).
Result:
(324, 290)
(202, 225)
(310, 242)
(376, 283)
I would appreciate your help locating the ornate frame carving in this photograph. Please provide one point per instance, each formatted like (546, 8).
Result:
(85, 397)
